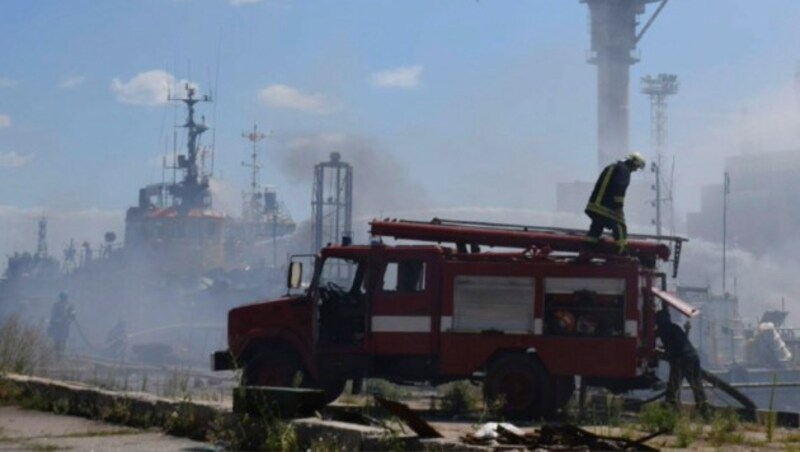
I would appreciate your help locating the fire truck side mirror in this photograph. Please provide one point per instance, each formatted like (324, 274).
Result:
(295, 277)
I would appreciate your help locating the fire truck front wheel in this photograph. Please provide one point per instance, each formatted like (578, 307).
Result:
(283, 367)
(280, 367)
(521, 386)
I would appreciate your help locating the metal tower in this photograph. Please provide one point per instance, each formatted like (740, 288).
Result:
(726, 191)
(41, 242)
(614, 39)
(797, 91)
(332, 202)
(658, 88)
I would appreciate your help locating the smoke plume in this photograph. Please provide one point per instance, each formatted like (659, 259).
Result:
(380, 182)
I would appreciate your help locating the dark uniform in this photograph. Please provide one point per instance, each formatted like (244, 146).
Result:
(606, 202)
(116, 340)
(683, 359)
(61, 317)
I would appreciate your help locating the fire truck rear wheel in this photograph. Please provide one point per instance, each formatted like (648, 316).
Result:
(522, 385)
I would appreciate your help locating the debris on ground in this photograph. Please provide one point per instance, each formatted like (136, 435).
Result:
(492, 430)
(563, 437)
(502, 435)
(423, 429)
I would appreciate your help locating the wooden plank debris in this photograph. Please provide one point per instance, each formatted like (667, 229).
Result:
(412, 419)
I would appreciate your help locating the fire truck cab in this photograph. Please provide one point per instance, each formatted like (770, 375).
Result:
(525, 319)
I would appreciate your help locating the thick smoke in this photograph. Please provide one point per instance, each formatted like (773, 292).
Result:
(760, 282)
(107, 287)
(760, 278)
(380, 181)
(20, 228)
(226, 199)
(761, 125)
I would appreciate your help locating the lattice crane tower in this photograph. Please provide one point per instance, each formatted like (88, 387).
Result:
(332, 203)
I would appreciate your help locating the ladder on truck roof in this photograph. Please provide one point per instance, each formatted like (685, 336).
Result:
(646, 247)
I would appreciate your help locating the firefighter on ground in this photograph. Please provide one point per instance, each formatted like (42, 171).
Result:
(116, 340)
(61, 317)
(684, 362)
(607, 199)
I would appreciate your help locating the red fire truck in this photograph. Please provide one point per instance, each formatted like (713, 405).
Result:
(525, 317)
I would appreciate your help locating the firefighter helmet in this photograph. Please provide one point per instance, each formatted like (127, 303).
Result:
(637, 159)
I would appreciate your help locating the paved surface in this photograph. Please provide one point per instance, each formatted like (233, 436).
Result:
(38, 431)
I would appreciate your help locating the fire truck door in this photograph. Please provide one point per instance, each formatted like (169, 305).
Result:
(401, 319)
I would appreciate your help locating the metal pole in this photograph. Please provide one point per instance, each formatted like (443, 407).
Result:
(337, 221)
(658, 195)
(275, 235)
(725, 191)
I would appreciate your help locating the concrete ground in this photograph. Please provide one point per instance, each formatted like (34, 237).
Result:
(22, 430)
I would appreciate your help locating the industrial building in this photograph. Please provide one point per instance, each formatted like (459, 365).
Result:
(762, 207)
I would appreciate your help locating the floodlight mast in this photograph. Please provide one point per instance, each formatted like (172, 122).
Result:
(658, 88)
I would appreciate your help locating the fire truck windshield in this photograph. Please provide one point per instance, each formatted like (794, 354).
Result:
(338, 272)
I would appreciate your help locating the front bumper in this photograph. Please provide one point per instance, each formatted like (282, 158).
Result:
(223, 360)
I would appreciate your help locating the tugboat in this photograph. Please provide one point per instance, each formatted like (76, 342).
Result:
(174, 224)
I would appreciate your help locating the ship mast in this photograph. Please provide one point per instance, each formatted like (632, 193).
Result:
(192, 191)
(253, 206)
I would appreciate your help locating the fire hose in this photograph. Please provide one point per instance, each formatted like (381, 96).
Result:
(721, 384)
(715, 382)
(82, 335)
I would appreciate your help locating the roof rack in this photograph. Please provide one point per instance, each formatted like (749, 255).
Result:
(474, 233)
(526, 228)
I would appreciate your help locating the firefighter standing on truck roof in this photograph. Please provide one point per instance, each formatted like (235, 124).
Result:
(607, 199)
(683, 359)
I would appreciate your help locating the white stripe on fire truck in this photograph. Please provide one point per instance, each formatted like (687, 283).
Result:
(631, 328)
(401, 324)
(538, 326)
(447, 323)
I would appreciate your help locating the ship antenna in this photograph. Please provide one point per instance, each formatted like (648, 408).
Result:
(174, 166)
(163, 172)
(215, 92)
(254, 137)
(192, 188)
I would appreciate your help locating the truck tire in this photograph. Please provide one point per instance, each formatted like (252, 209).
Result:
(522, 384)
(273, 368)
(333, 389)
(562, 393)
(283, 368)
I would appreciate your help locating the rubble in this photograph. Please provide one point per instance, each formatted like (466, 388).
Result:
(562, 437)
